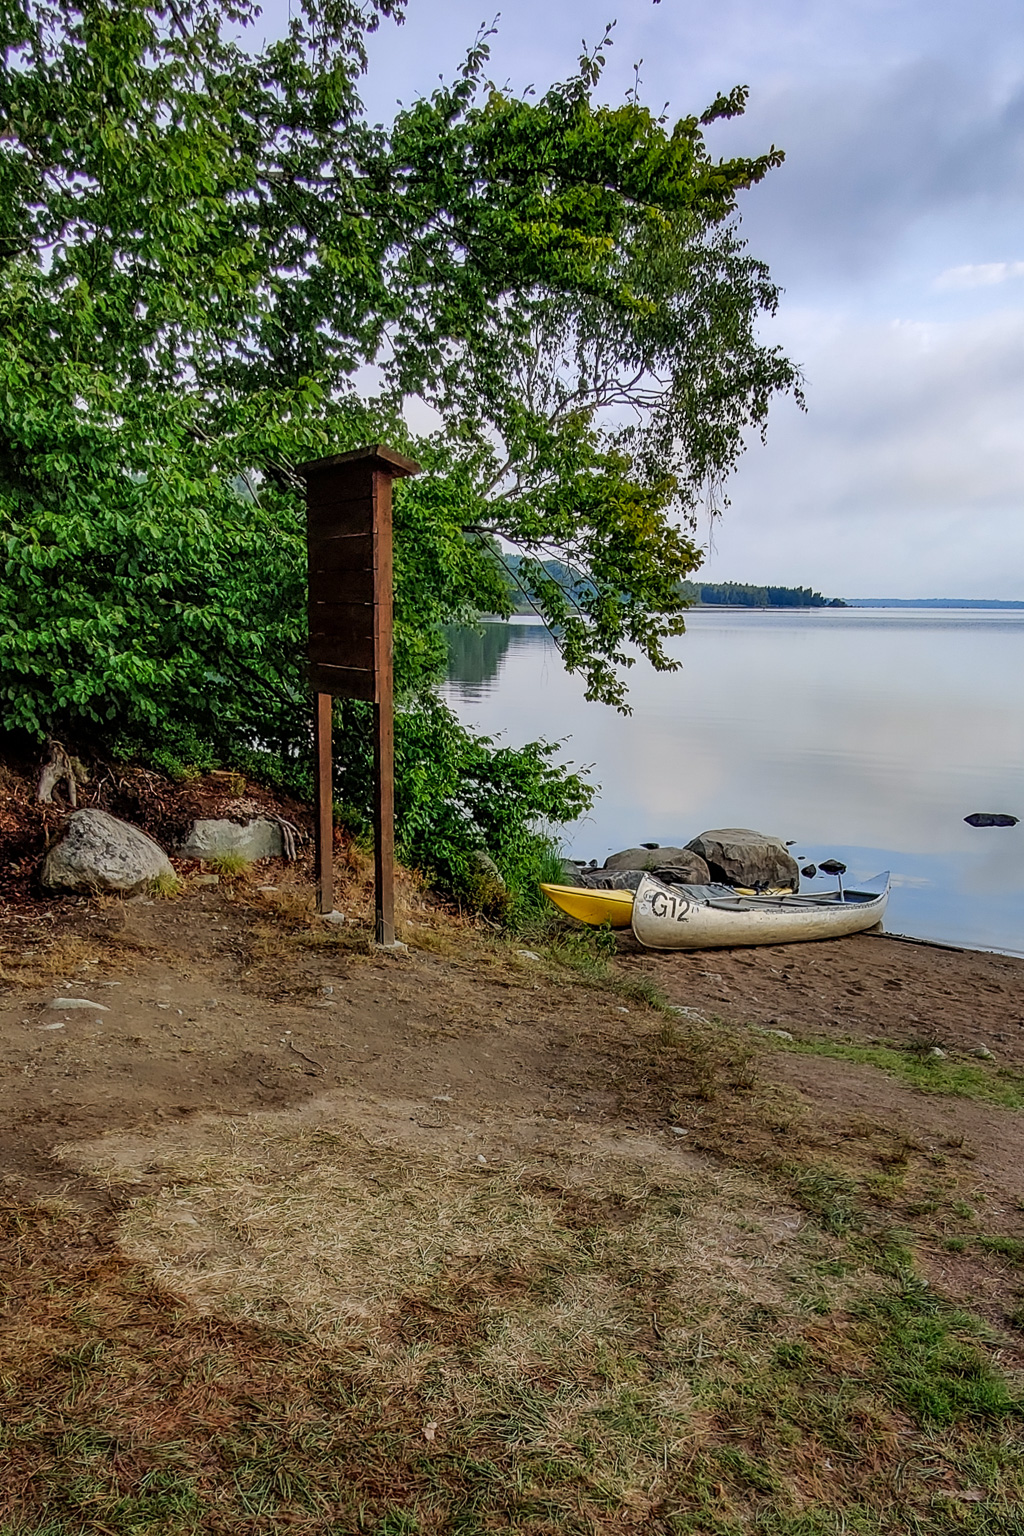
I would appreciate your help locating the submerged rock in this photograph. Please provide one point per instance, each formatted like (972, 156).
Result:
(741, 856)
(100, 853)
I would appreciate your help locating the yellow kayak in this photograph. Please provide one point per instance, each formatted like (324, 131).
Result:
(613, 907)
(593, 907)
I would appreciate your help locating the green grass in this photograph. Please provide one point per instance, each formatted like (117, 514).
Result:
(586, 953)
(1011, 1248)
(229, 865)
(929, 1361)
(965, 1080)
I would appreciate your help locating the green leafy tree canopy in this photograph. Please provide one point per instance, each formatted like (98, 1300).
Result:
(204, 247)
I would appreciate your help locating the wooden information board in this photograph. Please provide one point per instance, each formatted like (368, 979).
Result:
(348, 514)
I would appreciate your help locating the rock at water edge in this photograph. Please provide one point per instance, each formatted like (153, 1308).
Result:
(681, 865)
(644, 858)
(100, 853)
(740, 856)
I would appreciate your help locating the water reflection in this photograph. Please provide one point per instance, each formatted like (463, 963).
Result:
(863, 733)
(475, 654)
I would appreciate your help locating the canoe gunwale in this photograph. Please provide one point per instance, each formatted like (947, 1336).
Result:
(691, 923)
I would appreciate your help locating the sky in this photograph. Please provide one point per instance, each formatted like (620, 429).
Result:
(895, 228)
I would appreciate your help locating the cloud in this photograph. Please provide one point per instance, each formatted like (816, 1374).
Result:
(906, 475)
(871, 160)
(984, 274)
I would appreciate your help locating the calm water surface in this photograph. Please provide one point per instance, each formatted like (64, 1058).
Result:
(863, 734)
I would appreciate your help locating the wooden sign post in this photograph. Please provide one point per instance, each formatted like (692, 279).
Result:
(348, 515)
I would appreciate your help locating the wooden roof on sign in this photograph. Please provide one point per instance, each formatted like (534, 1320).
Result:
(379, 457)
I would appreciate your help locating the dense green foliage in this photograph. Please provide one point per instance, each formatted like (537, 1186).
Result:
(200, 247)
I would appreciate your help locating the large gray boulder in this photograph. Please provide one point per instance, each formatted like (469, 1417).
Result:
(692, 870)
(740, 856)
(250, 840)
(100, 853)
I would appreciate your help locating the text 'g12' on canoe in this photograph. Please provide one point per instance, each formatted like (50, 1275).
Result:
(718, 917)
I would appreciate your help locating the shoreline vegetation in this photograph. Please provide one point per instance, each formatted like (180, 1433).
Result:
(576, 588)
(738, 594)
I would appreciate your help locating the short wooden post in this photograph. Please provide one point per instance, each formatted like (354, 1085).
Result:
(351, 637)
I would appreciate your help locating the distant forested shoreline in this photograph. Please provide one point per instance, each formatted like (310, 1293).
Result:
(701, 594)
(736, 594)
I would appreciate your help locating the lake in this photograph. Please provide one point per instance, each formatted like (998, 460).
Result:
(863, 734)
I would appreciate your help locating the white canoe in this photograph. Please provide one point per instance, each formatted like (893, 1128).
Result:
(717, 917)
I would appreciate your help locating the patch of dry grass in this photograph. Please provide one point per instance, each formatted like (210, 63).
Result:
(335, 1228)
(324, 1322)
(42, 962)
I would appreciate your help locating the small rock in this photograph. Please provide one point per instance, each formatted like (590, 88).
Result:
(77, 1002)
(622, 1010)
(688, 1013)
(527, 954)
(937, 1053)
(206, 879)
(441, 1098)
(983, 1052)
(780, 1034)
(43, 1027)
(336, 918)
(679, 1130)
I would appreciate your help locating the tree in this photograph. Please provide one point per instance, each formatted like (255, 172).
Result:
(200, 249)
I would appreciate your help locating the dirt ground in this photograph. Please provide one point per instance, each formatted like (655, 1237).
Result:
(557, 1229)
(218, 1002)
(236, 999)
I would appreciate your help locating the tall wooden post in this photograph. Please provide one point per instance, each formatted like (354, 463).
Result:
(348, 513)
(323, 782)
